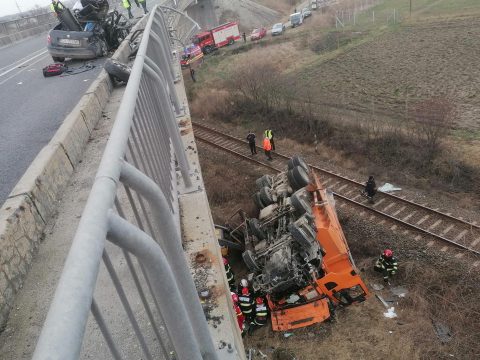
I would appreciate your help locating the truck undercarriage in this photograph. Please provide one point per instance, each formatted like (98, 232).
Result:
(295, 250)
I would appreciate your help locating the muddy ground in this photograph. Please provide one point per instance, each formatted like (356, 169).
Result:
(441, 290)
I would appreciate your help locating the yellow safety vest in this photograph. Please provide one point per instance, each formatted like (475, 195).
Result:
(268, 134)
(126, 4)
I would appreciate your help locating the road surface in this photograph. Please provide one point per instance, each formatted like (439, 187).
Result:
(32, 107)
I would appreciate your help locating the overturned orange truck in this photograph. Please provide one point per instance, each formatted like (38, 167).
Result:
(295, 250)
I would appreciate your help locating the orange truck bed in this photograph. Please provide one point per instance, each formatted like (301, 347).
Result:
(340, 283)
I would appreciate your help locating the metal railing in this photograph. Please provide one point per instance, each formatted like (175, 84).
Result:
(136, 183)
(14, 26)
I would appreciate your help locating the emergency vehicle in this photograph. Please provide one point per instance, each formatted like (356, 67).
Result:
(225, 34)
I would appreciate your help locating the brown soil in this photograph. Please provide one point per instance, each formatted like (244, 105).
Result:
(441, 289)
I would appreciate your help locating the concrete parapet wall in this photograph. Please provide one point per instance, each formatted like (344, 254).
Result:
(11, 38)
(33, 201)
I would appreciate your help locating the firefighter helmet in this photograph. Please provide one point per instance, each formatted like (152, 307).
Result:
(388, 253)
(234, 298)
(259, 300)
(244, 282)
(245, 291)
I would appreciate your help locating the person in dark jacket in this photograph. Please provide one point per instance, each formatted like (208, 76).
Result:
(246, 304)
(370, 188)
(387, 265)
(251, 143)
(192, 74)
(261, 314)
(229, 273)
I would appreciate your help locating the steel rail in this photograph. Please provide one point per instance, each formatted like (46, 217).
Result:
(356, 203)
(330, 173)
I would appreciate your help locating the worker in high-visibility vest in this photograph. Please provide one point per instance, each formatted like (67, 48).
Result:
(128, 6)
(269, 134)
(267, 147)
(387, 265)
(246, 303)
(238, 312)
(56, 6)
(229, 273)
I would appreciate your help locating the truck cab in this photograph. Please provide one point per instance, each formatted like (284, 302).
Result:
(205, 41)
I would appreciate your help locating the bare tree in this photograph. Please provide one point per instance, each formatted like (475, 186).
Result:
(432, 119)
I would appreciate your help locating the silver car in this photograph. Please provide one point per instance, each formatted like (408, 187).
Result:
(278, 29)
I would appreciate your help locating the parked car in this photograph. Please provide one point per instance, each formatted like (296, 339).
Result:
(306, 12)
(278, 29)
(296, 19)
(257, 34)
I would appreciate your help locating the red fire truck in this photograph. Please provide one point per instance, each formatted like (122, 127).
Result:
(217, 37)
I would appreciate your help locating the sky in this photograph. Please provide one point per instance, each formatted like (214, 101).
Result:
(8, 7)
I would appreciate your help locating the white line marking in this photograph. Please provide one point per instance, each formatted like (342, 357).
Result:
(23, 63)
(22, 70)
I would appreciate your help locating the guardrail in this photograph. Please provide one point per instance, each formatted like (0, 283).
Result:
(136, 183)
(14, 26)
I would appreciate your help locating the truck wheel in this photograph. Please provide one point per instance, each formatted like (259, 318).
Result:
(207, 50)
(231, 41)
(254, 227)
(266, 196)
(265, 180)
(58, 59)
(297, 161)
(249, 260)
(258, 201)
(117, 70)
(291, 180)
(299, 203)
(300, 176)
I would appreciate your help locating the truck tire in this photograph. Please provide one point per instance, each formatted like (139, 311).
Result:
(297, 161)
(207, 50)
(58, 59)
(265, 180)
(255, 229)
(300, 176)
(117, 70)
(300, 204)
(291, 180)
(231, 41)
(258, 201)
(266, 196)
(249, 260)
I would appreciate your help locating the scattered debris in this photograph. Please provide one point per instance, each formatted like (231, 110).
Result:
(443, 332)
(387, 187)
(287, 335)
(382, 300)
(390, 313)
(377, 287)
(399, 291)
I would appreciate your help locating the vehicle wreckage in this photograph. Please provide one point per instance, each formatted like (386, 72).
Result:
(90, 31)
(296, 252)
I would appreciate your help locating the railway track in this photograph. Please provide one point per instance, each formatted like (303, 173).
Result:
(430, 224)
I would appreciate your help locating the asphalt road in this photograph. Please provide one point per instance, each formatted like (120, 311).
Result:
(32, 107)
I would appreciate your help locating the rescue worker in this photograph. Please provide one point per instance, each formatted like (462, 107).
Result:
(261, 313)
(244, 284)
(387, 265)
(144, 5)
(128, 5)
(246, 304)
(229, 273)
(251, 142)
(370, 188)
(192, 74)
(56, 6)
(269, 135)
(238, 312)
(244, 37)
(267, 147)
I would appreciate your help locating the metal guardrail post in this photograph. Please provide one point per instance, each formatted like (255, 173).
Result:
(132, 239)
